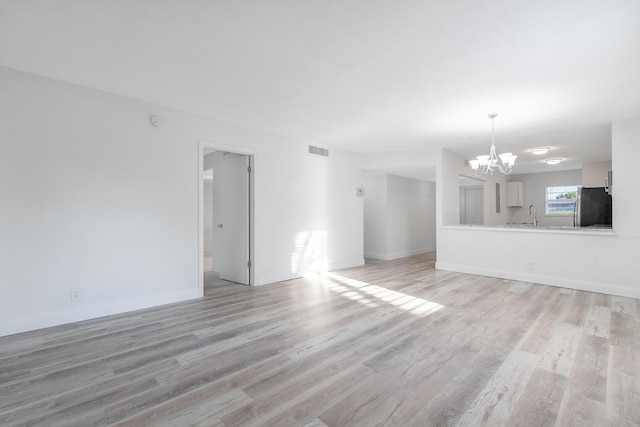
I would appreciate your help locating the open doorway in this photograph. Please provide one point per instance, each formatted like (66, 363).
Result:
(226, 238)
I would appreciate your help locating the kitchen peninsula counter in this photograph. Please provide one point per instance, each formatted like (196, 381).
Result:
(520, 228)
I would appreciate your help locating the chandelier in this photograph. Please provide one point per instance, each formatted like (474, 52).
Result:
(486, 164)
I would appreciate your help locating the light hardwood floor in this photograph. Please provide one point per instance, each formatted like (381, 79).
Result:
(390, 343)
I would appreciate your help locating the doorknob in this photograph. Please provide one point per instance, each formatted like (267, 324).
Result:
(219, 225)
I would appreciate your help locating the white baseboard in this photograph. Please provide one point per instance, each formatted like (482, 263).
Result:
(267, 280)
(336, 265)
(396, 255)
(582, 285)
(375, 255)
(339, 265)
(92, 311)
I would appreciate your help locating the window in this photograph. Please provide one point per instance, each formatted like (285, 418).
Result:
(561, 201)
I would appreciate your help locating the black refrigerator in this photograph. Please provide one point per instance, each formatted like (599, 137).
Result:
(593, 208)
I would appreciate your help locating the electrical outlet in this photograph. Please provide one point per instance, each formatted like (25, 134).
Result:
(530, 265)
(75, 295)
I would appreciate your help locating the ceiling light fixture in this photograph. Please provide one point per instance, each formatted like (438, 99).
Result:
(486, 164)
(540, 150)
(553, 161)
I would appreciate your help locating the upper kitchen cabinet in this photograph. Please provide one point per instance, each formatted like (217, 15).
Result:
(515, 195)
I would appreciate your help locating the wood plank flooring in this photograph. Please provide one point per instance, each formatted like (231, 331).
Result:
(389, 343)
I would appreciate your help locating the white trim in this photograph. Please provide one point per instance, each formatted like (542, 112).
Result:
(396, 255)
(93, 311)
(603, 288)
(223, 147)
(336, 265)
(376, 255)
(267, 280)
(357, 262)
(200, 228)
(202, 145)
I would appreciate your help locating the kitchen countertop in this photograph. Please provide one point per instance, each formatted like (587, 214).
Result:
(528, 228)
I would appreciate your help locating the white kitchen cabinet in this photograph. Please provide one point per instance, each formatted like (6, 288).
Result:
(515, 194)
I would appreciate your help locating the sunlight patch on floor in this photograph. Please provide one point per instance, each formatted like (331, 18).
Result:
(374, 295)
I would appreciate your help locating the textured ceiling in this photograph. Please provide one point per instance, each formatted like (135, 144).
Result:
(367, 76)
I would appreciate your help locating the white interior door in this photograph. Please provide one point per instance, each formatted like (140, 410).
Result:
(473, 206)
(231, 217)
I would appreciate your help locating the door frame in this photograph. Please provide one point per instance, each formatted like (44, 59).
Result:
(464, 198)
(202, 145)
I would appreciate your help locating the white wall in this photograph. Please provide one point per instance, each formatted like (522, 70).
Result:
(625, 152)
(604, 262)
(411, 217)
(399, 216)
(534, 191)
(95, 198)
(375, 216)
(452, 167)
(594, 174)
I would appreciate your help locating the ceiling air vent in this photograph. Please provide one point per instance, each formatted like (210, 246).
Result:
(319, 151)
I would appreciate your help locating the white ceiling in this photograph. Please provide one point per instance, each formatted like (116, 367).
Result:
(364, 75)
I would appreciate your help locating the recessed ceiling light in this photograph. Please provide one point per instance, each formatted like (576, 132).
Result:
(540, 150)
(553, 161)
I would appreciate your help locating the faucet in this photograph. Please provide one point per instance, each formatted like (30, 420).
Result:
(532, 208)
